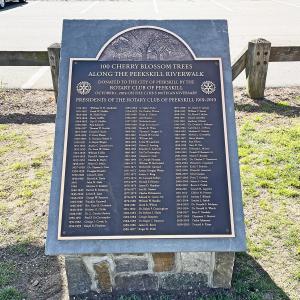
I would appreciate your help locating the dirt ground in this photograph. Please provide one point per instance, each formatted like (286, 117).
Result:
(30, 116)
(27, 120)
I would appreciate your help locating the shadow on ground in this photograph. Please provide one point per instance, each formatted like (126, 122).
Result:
(28, 118)
(27, 273)
(268, 106)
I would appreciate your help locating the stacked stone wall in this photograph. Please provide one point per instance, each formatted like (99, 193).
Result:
(106, 273)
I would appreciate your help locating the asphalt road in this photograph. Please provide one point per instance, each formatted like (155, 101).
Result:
(37, 24)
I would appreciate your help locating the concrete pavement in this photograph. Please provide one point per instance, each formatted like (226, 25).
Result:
(37, 24)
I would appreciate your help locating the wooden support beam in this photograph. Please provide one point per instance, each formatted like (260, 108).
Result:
(24, 58)
(255, 59)
(54, 57)
(257, 67)
(285, 53)
(239, 64)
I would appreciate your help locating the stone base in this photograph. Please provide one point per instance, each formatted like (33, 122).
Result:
(148, 272)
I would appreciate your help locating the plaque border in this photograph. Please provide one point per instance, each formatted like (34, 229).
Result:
(134, 237)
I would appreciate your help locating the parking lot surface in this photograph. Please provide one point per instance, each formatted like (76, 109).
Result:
(37, 24)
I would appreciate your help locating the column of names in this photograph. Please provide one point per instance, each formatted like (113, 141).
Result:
(193, 164)
(78, 168)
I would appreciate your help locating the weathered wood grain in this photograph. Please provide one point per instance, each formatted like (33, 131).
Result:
(54, 58)
(285, 53)
(257, 67)
(24, 58)
(239, 64)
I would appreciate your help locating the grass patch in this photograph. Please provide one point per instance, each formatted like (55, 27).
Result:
(32, 183)
(265, 184)
(38, 160)
(24, 175)
(269, 152)
(21, 246)
(7, 273)
(26, 193)
(10, 294)
(293, 236)
(288, 192)
(264, 204)
(218, 297)
(25, 167)
(13, 137)
(257, 250)
(12, 227)
(43, 174)
(130, 297)
(283, 103)
(4, 150)
(268, 173)
(19, 166)
(3, 127)
(251, 282)
(297, 275)
(21, 202)
(3, 207)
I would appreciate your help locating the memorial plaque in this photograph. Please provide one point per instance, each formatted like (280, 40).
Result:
(148, 152)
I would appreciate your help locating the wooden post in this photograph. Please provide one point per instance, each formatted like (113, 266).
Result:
(54, 57)
(239, 64)
(257, 67)
(24, 58)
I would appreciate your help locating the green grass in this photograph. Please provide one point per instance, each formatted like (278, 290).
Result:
(43, 174)
(3, 206)
(25, 193)
(269, 152)
(283, 103)
(218, 297)
(293, 236)
(19, 248)
(32, 183)
(25, 167)
(265, 204)
(7, 273)
(38, 160)
(251, 282)
(19, 166)
(257, 249)
(297, 275)
(10, 294)
(11, 136)
(130, 297)
(22, 178)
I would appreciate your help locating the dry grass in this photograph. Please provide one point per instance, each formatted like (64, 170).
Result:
(269, 144)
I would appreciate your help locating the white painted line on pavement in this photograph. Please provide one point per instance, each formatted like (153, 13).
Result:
(221, 5)
(285, 3)
(88, 8)
(155, 6)
(34, 78)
